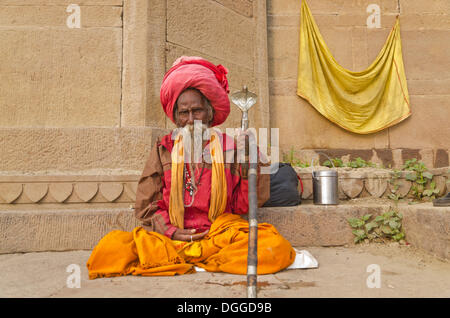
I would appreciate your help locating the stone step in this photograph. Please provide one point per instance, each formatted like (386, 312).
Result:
(60, 229)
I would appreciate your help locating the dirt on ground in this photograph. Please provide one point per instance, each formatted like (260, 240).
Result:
(372, 270)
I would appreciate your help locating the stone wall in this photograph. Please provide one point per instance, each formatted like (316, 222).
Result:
(81, 103)
(56, 76)
(231, 33)
(87, 99)
(425, 28)
(426, 227)
(119, 187)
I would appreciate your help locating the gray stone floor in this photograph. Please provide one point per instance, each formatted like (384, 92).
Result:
(342, 272)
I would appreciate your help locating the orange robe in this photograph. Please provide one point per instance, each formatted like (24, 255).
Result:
(150, 251)
(224, 249)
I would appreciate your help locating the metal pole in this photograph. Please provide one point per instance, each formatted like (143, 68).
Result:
(252, 261)
(244, 100)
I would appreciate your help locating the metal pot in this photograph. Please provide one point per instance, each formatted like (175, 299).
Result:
(325, 186)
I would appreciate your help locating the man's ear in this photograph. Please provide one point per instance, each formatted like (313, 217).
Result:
(211, 115)
(211, 112)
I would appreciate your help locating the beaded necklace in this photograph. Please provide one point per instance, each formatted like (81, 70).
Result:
(192, 186)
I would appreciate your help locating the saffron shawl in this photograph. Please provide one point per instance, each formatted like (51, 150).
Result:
(218, 182)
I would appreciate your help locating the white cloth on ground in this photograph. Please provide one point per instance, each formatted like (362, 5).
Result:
(303, 259)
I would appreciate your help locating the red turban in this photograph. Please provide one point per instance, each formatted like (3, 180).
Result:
(196, 72)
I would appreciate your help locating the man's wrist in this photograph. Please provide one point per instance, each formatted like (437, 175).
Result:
(170, 231)
(244, 170)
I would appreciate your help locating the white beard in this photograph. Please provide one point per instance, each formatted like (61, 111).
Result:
(193, 141)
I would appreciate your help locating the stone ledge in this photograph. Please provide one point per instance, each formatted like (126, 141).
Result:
(119, 186)
(426, 227)
(372, 182)
(35, 150)
(59, 229)
(68, 189)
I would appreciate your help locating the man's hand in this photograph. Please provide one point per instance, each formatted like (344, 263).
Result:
(188, 235)
(242, 137)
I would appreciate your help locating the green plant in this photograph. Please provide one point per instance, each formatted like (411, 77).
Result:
(360, 163)
(359, 226)
(356, 163)
(337, 162)
(292, 160)
(385, 226)
(395, 175)
(301, 164)
(420, 176)
(432, 191)
(288, 157)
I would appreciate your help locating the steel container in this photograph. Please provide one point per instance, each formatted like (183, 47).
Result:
(325, 187)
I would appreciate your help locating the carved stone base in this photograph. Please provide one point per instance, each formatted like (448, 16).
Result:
(68, 189)
(374, 183)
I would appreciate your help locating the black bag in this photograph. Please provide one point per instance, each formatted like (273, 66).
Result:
(283, 186)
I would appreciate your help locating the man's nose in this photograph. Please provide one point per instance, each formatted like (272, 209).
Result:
(191, 118)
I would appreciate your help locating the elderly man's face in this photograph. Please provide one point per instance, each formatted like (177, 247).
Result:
(190, 107)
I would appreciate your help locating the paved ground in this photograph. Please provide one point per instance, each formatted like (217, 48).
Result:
(404, 272)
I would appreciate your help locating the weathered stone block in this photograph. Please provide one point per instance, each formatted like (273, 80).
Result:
(428, 228)
(428, 86)
(432, 45)
(283, 44)
(244, 7)
(314, 225)
(314, 131)
(130, 189)
(340, 7)
(73, 149)
(9, 192)
(111, 190)
(35, 191)
(67, 188)
(307, 188)
(60, 191)
(376, 187)
(441, 184)
(352, 187)
(59, 230)
(198, 29)
(420, 6)
(425, 21)
(86, 190)
(62, 2)
(428, 124)
(60, 77)
(238, 75)
(400, 187)
(56, 16)
(330, 7)
(354, 20)
(274, 21)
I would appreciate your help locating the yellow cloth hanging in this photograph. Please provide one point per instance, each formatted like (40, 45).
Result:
(362, 102)
(218, 199)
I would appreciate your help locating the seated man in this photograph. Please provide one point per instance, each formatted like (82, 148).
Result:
(191, 210)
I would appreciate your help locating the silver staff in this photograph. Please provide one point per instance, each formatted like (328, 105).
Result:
(245, 100)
